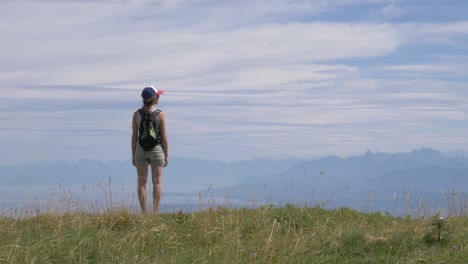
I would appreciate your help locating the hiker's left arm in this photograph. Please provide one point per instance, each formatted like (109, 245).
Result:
(164, 142)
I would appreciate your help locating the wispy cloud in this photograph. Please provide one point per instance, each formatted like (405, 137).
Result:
(141, 55)
(242, 79)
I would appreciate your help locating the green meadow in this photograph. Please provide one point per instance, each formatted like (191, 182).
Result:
(266, 234)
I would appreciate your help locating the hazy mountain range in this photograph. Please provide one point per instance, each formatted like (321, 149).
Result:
(422, 172)
(182, 175)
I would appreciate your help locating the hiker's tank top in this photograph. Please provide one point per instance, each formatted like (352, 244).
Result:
(138, 119)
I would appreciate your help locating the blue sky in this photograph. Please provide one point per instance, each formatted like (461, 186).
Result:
(243, 79)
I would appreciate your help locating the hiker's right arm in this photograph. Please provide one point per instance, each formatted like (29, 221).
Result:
(134, 137)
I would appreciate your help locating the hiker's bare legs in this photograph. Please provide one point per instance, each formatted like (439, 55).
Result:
(156, 173)
(142, 172)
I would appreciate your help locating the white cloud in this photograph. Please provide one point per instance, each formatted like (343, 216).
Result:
(178, 54)
(427, 33)
(421, 68)
(388, 12)
(238, 76)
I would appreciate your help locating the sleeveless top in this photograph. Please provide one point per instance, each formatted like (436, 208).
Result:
(138, 119)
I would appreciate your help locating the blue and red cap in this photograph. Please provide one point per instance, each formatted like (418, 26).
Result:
(149, 92)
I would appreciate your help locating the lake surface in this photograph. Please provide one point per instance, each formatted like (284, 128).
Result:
(27, 201)
(23, 201)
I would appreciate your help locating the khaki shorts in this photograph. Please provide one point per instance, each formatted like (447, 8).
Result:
(153, 157)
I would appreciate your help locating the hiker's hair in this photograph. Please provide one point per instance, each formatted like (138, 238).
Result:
(150, 102)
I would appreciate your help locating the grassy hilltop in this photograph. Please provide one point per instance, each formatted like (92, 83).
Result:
(263, 235)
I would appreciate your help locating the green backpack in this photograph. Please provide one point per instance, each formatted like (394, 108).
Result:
(149, 134)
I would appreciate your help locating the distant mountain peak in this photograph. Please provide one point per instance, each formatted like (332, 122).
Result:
(426, 151)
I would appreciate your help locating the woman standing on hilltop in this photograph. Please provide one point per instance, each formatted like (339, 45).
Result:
(149, 145)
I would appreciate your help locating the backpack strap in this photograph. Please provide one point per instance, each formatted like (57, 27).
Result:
(142, 113)
(156, 112)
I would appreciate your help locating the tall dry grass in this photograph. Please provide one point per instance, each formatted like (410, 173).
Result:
(75, 229)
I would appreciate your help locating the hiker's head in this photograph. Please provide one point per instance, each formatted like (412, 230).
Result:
(150, 95)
